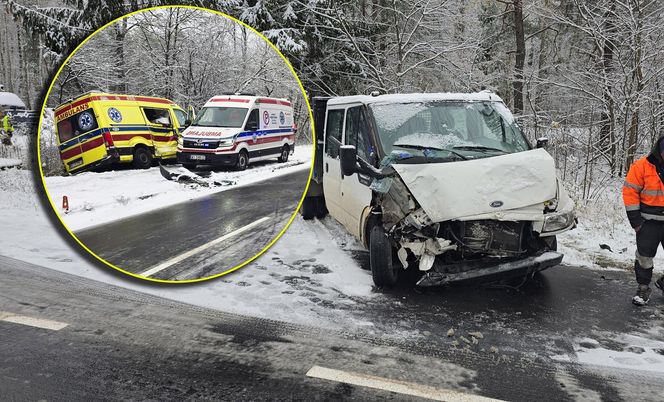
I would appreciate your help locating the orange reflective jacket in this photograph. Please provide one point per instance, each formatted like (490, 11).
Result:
(643, 191)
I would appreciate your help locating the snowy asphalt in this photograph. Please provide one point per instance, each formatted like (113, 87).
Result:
(121, 344)
(175, 242)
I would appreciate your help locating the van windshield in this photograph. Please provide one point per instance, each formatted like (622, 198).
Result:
(461, 130)
(221, 116)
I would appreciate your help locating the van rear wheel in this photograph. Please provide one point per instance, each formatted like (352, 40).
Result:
(383, 270)
(142, 158)
(285, 151)
(242, 160)
(308, 208)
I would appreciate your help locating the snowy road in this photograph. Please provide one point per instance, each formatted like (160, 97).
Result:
(201, 237)
(81, 339)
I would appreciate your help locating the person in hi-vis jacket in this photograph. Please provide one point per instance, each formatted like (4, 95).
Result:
(7, 127)
(643, 195)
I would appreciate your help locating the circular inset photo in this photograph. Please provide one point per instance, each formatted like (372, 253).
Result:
(175, 144)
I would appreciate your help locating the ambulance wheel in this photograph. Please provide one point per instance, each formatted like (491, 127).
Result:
(383, 270)
(308, 209)
(242, 160)
(142, 158)
(285, 151)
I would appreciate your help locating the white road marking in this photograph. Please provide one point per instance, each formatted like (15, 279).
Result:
(32, 321)
(400, 387)
(198, 249)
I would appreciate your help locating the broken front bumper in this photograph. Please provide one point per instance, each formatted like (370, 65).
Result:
(527, 265)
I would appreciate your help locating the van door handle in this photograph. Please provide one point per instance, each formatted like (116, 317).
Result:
(327, 167)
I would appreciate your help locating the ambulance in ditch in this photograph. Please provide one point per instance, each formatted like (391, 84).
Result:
(234, 130)
(100, 128)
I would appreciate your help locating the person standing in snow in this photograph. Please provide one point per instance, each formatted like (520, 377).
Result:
(7, 128)
(643, 195)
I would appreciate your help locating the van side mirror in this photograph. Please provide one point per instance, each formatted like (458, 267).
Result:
(187, 122)
(348, 159)
(542, 142)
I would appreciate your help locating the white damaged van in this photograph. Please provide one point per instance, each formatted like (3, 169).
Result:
(234, 130)
(445, 182)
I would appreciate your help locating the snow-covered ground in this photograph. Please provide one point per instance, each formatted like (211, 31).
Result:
(96, 198)
(603, 221)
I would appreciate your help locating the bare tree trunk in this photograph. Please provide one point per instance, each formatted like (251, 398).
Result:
(517, 84)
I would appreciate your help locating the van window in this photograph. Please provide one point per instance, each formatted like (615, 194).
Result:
(252, 121)
(335, 121)
(357, 132)
(221, 116)
(180, 116)
(157, 116)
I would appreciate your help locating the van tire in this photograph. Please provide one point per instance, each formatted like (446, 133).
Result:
(308, 208)
(319, 207)
(142, 158)
(242, 160)
(285, 151)
(383, 270)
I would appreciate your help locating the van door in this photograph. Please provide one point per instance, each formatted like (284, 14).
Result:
(355, 192)
(331, 164)
(161, 129)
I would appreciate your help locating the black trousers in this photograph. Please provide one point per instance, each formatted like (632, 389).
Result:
(648, 238)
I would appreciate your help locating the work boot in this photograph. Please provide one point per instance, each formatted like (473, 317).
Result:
(642, 295)
(660, 283)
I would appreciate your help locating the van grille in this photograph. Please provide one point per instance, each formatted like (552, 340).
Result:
(201, 144)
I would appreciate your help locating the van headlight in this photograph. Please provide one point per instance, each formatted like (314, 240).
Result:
(180, 142)
(226, 142)
(559, 220)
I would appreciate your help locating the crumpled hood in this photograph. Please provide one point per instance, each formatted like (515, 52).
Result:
(210, 132)
(455, 190)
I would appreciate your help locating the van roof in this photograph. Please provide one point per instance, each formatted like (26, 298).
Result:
(247, 99)
(416, 97)
(98, 95)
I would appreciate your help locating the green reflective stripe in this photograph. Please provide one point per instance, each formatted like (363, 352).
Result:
(652, 192)
(653, 217)
(633, 207)
(634, 186)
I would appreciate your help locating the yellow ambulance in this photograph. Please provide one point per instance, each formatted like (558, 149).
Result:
(100, 128)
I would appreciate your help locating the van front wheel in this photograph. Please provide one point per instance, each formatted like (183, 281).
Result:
(285, 151)
(142, 158)
(383, 270)
(242, 160)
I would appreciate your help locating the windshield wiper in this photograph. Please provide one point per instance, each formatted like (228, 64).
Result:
(479, 148)
(424, 148)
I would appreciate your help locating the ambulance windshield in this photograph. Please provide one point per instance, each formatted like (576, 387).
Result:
(221, 116)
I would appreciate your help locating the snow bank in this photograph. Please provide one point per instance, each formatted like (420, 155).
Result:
(317, 285)
(603, 221)
(96, 198)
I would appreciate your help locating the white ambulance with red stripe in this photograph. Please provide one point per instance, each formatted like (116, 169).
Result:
(234, 130)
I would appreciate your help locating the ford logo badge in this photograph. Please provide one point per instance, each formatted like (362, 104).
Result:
(496, 204)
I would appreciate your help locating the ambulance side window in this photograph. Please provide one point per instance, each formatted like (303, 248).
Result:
(180, 116)
(157, 116)
(333, 129)
(252, 121)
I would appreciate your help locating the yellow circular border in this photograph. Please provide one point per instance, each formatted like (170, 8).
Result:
(299, 205)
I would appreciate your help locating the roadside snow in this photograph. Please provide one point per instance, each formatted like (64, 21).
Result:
(634, 353)
(315, 285)
(96, 198)
(603, 221)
